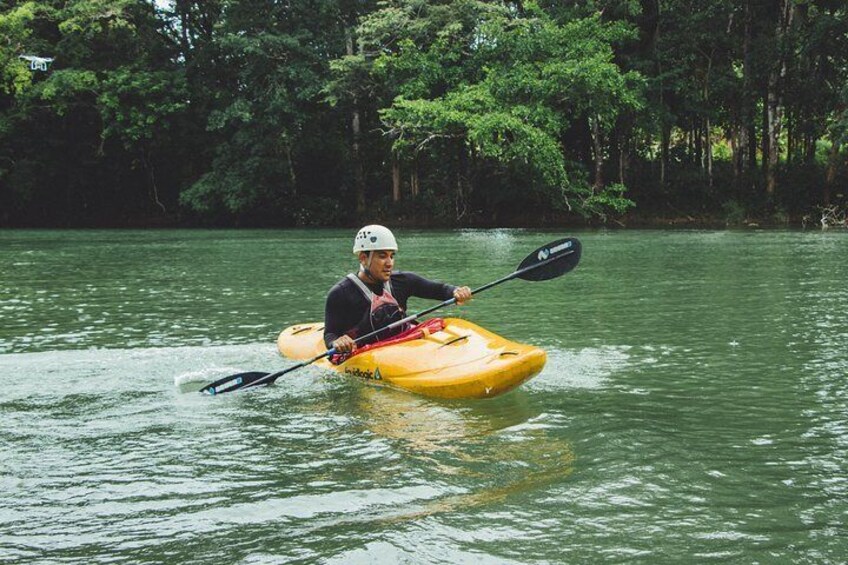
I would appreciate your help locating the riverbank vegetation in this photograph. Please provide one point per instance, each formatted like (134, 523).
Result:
(448, 112)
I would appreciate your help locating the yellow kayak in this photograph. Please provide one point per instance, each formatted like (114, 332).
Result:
(461, 361)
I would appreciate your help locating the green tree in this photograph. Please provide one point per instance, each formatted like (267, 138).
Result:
(269, 62)
(84, 139)
(14, 29)
(489, 90)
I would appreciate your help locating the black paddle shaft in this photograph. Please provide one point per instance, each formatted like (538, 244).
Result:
(548, 262)
(515, 275)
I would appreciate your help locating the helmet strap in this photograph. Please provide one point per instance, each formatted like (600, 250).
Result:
(365, 268)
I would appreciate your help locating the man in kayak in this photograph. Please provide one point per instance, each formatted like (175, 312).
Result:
(376, 296)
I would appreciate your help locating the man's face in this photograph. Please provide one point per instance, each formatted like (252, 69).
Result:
(382, 263)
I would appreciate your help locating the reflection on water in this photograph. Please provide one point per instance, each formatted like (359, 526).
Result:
(425, 425)
(459, 444)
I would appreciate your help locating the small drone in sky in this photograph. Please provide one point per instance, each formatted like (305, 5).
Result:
(37, 63)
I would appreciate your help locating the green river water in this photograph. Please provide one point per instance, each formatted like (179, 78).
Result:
(694, 407)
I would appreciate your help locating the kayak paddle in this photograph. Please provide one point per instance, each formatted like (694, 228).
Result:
(548, 262)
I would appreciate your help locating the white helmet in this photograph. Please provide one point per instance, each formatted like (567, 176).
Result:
(374, 238)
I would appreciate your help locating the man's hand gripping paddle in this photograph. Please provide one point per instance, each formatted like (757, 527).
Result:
(548, 262)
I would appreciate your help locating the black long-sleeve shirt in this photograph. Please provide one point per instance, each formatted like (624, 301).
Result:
(347, 308)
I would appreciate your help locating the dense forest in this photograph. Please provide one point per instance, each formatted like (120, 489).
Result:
(447, 112)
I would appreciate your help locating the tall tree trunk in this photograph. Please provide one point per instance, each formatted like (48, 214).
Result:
(292, 174)
(664, 150)
(154, 190)
(774, 100)
(709, 151)
(622, 167)
(736, 154)
(624, 133)
(597, 152)
(810, 148)
(651, 10)
(708, 142)
(749, 115)
(690, 146)
(751, 140)
(774, 122)
(462, 188)
(413, 176)
(699, 148)
(791, 125)
(395, 178)
(358, 169)
(765, 140)
(830, 176)
(356, 153)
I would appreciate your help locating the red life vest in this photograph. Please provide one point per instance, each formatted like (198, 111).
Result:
(383, 310)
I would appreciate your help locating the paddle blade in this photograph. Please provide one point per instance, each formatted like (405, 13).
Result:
(233, 382)
(551, 260)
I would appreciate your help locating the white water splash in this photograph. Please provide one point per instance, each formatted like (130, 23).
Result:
(588, 368)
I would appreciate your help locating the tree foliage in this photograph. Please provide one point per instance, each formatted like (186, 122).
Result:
(450, 111)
